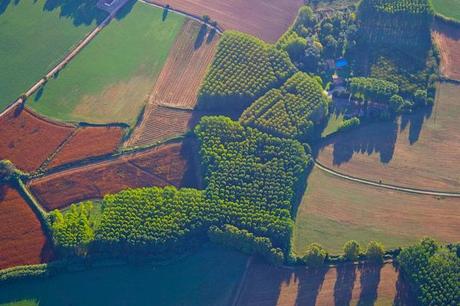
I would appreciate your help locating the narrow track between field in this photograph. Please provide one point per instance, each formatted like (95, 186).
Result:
(386, 186)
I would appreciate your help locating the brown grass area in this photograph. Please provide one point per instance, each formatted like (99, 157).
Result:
(419, 151)
(447, 37)
(345, 285)
(171, 164)
(334, 210)
(22, 241)
(88, 142)
(27, 139)
(266, 19)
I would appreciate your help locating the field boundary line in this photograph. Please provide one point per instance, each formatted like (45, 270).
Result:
(183, 13)
(386, 186)
(242, 283)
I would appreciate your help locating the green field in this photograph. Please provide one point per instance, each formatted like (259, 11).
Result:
(109, 81)
(448, 8)
(32, 40)
(334, 210)
(208, 277)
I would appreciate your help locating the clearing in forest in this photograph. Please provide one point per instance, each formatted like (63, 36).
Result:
(110, 80)
(266, 19)
(345, 285)
(417, 150)
(447, 8)
(170, 164)
(335, 210)
(447, 37)
(23, 241)
(34, 36)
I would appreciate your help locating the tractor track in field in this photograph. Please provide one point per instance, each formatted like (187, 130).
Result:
(384, 185)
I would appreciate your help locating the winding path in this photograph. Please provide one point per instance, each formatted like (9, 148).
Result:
(386, 186)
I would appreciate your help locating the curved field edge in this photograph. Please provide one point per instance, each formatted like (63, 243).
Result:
(110, 79)
(447, 9)
(334, 210)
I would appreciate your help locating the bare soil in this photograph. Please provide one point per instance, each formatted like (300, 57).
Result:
(266, 19)
(22, 240)
(88, 142)
(447, 37)
(28, 139)
(170, 164)
(418, 151)
(346, 285)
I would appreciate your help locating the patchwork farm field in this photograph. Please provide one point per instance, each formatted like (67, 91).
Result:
(208, 277)
(34, 36)
(448, 8)
(23, 241)
(110, 80)
(334, 210)
(255, 17)
(170, 164)
(345, 285)
(402, 153)
(447, 37)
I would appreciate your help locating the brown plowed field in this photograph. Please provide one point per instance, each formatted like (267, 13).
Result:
(419, 151)
(447, 38)
(88, 142)
(164, 122)
(171, 164)
(22, 241)
(335, 210)
(345, 285)
(27, 139)
(266, 19)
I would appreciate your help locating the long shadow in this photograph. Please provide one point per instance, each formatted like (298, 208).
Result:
(39, 94)
(343, 288)
(4, 5)
(370, 279)
(404, 295)
(310, 283)
(201, 36)
(3, 189)
(416, 121)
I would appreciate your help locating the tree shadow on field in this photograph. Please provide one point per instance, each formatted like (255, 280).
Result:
(310, 283)
(370, 279)
(165, 13)
(39, 94)
(201, 36)
(3, 189)
(211, 35)
(343, 288)
(404, 295)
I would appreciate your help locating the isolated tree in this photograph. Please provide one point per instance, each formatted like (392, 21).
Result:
(375, 251)
(351, 250)
(315, 256)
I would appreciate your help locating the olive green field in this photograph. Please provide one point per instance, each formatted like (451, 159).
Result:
(447, 8)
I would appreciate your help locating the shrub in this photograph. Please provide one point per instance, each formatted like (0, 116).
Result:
(375, 251)
(349, 124)
(351, 250)
(315, 256)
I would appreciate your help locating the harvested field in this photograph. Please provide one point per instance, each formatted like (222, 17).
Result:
(346, 285)
(162, 123)
(418, 151)
(88, 142)
(447, 37)
(170, 164)
(334, 210)
(22, 239)
(27, 139)
(266, 19)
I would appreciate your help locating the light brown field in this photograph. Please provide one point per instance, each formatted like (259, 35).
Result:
(447, 37)
(346, 285)
(334, 210)
(22, 240)
(170, 164)
(266, 19)
(419, 151)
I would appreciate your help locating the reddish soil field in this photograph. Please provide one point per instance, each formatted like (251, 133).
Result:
(171, 164)
(346, 285)
(162, 123)
(22, 241)
(88, 142)
(266, 19)
(27, 139)
(447, 38)
(419, 150)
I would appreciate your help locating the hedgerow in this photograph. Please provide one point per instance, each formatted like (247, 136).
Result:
(433, 271)
(290, 111)
(244, 68)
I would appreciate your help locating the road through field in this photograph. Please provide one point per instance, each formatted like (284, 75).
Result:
(387, 186)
